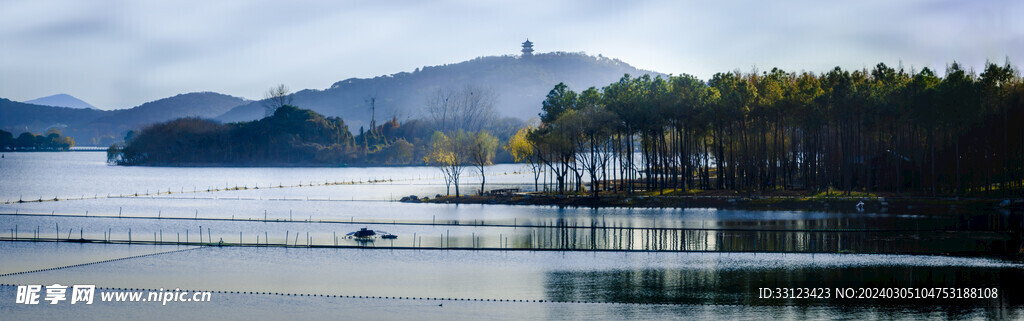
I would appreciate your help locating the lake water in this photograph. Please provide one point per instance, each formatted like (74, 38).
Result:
(624, 263)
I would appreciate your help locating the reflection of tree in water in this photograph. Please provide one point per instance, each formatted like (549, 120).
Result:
(889, 241)
(721, 284)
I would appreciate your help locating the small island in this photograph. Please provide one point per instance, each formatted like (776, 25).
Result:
(291, 136)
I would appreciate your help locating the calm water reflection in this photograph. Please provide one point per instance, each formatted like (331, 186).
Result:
(561, 234)
(729, 255)
(686, 279)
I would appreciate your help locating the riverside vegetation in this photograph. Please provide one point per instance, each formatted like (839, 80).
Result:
(53, 140)
(860, 132)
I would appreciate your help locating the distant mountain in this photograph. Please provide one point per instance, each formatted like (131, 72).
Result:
(92, 127)
(17, 117)
(520, 83)
(61, 100)
(199, 104)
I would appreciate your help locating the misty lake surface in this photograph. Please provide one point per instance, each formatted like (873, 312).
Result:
(622, 262)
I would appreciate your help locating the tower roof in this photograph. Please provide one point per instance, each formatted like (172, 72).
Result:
(527, 48)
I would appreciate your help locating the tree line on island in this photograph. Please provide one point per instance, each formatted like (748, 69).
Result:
(879, 130)
(52, 140)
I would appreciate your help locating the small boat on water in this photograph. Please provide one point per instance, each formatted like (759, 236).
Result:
(365, 234)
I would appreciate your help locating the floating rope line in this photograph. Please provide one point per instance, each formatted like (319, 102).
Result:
(97, 262)
(778, 303)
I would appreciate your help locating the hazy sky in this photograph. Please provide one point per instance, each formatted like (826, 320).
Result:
(116, 54)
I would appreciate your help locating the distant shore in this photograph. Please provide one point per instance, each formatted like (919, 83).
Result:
(781, 203)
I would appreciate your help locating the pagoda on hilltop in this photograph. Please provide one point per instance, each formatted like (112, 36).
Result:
(527, 48)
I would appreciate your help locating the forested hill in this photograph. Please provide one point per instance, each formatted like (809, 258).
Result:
(92, 127)
(519, 83)
(199, 104)
(17, 117)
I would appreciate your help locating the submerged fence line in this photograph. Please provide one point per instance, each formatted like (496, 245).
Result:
(196, 190)
(475, 247)
(211, 189)
(566, 238)
(723, 244)
(598, 225)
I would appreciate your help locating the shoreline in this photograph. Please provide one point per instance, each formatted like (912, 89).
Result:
(901, 205)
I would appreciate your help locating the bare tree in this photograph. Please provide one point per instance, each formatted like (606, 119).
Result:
(275, 98)
(481, 147)
(441, 112)
(469, 108)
